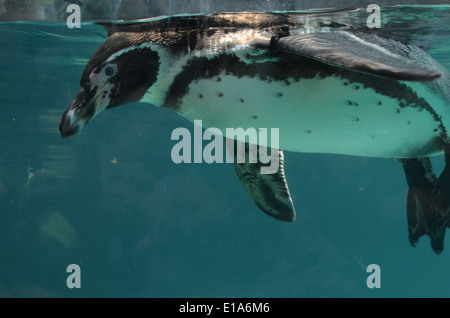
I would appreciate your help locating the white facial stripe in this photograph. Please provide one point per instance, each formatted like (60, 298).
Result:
(119, 53)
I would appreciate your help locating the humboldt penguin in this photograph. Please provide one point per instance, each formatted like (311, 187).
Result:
(329, 91)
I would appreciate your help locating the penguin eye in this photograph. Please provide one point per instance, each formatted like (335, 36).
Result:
(110, 70)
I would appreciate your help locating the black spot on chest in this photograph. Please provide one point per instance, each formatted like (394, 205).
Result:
(285, 67)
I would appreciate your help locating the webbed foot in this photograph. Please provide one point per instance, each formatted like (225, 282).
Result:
(428, 203)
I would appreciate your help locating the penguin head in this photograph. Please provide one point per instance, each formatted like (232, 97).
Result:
(121, 71)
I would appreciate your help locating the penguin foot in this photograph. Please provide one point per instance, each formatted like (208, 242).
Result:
(428, 203)
(430, 215)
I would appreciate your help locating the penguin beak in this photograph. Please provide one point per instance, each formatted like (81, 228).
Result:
(82, 109)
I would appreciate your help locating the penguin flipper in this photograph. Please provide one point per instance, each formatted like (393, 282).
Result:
(270, 192)
(367, 53)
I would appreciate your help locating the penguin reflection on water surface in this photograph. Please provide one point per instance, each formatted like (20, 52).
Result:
(340, 92)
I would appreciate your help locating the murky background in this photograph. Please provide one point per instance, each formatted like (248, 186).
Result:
(111, 200)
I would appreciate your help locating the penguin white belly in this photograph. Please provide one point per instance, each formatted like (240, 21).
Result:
(319, 115)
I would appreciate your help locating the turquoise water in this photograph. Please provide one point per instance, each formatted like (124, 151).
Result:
(111, 200)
